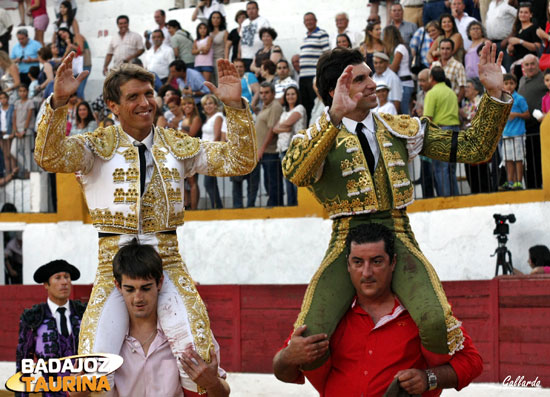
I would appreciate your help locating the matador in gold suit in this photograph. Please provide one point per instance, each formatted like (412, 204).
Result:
(107, 163)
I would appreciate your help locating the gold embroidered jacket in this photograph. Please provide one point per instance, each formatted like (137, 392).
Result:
(107, 167)
(331, 163)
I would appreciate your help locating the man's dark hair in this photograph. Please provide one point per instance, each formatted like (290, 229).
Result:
(159, 31)
(539, 255)
(137, 261)
(174, 24)
(162, 12)
(438, 74)
(122, 17)
(179, 65)
(310, 13)
(253, 2)
(372, 233)
(329, 68)
(286, 62)
(23, 32)
(447, 41)
(266, 84)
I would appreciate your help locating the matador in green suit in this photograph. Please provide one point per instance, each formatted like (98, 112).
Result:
(355, 162)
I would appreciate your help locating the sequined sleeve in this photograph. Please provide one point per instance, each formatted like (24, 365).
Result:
(474, 144)
(55, 152)
(237, 156)
(308, 151)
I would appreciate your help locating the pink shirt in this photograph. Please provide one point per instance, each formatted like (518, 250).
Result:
(546, 103)
(150, 376)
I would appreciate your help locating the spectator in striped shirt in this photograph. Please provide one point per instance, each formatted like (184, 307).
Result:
(315, 43)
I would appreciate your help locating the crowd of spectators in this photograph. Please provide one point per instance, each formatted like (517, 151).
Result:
(280, 88)
(451, 38)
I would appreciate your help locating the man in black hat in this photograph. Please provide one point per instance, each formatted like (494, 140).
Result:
(50, 329)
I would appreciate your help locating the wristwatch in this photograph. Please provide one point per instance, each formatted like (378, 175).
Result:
(432, 380)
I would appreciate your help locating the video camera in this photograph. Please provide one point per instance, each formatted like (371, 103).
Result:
(502, 228)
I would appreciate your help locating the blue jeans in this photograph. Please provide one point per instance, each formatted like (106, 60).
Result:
(406, 99)
(253, 184)
(273, 179)
(82, 86)
(291, 189)
(211, 187)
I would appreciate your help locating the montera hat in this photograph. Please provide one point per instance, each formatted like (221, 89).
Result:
(44, 272)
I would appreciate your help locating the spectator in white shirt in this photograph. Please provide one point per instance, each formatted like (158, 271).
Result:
(251, 41)
(124, 46)
(384, 106)
(383, 74)
(205, 8)
(160, 19)
(342, 22)
(500, 21)
(159, 57)
(283, 80)
(462, 21)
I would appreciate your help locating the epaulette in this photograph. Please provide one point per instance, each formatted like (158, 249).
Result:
(103, 141)
(402, 126)
(33, 317)
(181, 145)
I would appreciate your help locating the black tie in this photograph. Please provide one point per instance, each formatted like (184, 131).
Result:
(142, 166)
(365, 146)
(64, 329)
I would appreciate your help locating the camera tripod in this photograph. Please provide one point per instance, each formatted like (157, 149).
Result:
(502, 253)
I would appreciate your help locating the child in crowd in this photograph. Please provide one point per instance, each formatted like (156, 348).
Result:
(203, 51)
(22, 130)
(6, 110)
(384, 106)
(33, 74)
(513, 136)
(546, 97)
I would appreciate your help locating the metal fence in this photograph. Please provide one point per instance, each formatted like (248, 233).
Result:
(31, 189)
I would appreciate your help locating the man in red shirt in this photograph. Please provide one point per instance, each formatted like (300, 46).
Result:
(376, 342)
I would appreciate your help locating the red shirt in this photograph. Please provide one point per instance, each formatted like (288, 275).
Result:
(365, 357)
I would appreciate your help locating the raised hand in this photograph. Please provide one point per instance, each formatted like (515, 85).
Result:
(490, 71)
(342, 103)
(65, 84)
(229, 84)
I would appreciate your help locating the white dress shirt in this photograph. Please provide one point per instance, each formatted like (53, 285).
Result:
(158, 60)
(368, 130)
(53, 308)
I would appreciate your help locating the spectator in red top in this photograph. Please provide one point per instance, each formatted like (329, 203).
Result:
(377, 343)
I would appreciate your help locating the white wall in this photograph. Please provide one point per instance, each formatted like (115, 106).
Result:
(288, 251)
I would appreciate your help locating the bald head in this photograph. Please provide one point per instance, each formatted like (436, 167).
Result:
(530, 65)
(424, 79)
